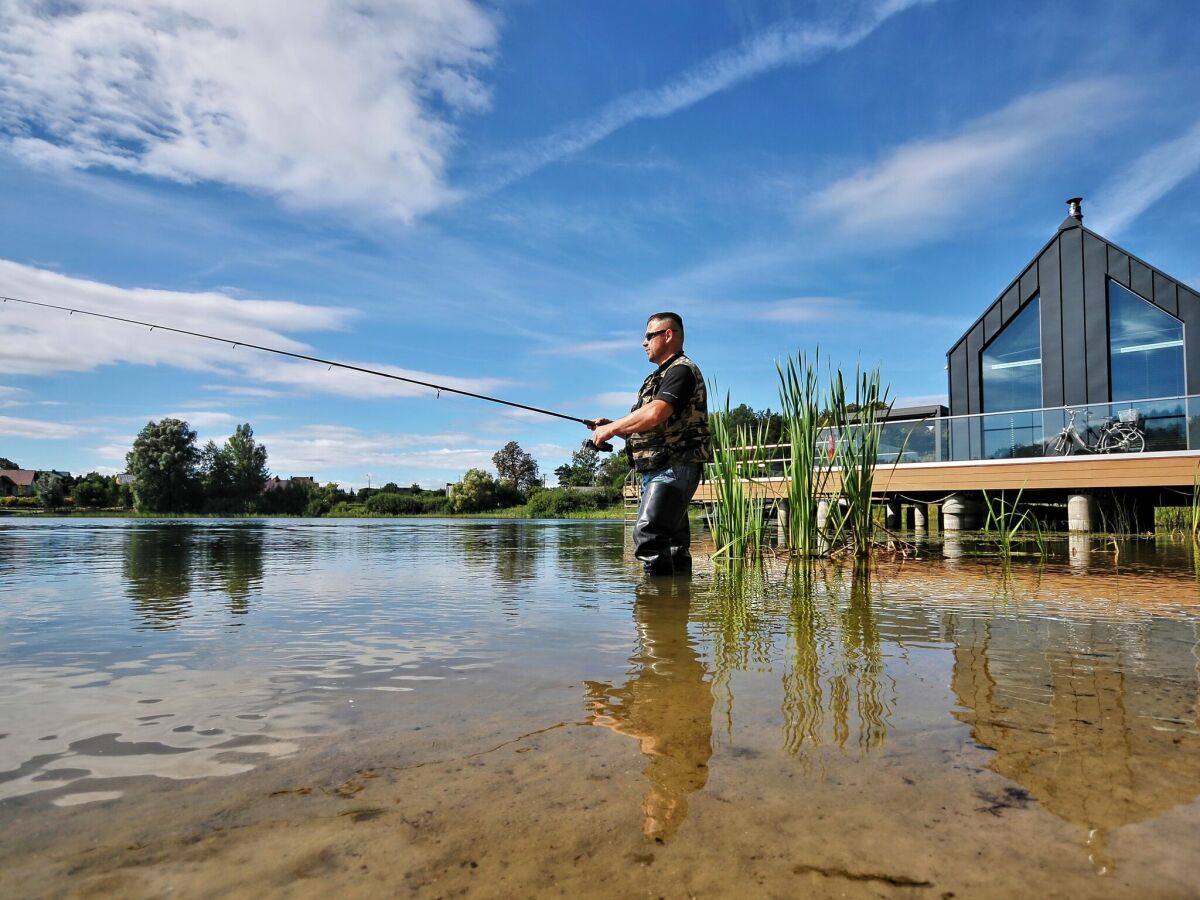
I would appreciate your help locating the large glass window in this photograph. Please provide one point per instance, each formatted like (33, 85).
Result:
(1012, 380)
(1145, 347)
(1012, 363)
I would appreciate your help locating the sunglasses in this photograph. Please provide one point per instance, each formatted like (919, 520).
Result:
(651, 335)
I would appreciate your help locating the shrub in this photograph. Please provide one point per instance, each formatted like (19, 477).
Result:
(20, 502)
(556, 503)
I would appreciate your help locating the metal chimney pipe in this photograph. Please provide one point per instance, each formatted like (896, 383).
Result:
(1075, 208)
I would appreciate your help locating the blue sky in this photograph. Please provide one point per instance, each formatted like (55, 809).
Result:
(494, 196)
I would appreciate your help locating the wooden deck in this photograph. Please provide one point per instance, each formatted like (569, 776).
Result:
(1060, 474)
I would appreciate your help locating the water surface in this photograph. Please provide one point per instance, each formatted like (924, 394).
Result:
(437, 707)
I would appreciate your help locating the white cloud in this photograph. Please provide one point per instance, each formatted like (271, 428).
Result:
(203, 419)
(340, 449)
(337, 104)
(593, 347)
(237, 390)
(1145, 181)
(922, 187)
(38, 341)
(787, 43)
(37, 429)
(803, 309)
(612, 398)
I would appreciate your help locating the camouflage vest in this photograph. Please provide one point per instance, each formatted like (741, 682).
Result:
(684, 437)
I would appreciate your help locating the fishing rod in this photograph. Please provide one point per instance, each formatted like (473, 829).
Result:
(331, 363)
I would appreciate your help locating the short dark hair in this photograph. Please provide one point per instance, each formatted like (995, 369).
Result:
(675, 319)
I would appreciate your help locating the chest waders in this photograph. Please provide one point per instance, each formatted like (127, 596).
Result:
(675, 452)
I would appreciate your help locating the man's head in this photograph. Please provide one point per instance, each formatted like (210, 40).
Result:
(664, 337)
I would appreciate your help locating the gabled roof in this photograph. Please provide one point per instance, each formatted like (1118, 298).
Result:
(1122, 266)
(19, 477)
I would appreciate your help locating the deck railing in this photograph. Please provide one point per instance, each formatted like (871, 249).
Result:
(1164, 423)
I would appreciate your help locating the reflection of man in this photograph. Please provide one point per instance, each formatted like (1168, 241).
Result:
(666, 705)
(668, 441)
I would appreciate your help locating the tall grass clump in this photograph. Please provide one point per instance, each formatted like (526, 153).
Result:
(805, 472)
(857, 419)
(1004, 522)
(737, 518)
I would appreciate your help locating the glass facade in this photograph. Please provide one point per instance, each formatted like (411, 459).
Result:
(1012, 380)
(1145, 347)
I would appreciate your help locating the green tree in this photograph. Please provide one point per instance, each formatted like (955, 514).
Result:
(92, 491)
(613, 470)
(582, 470)
(163, 463)
(475, 492)
(247, 465)
(48, 488)
(515, 465)
(6, 463)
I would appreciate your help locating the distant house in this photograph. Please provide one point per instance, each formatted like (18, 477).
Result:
(125, 478)
(17, 482)
(276, 483)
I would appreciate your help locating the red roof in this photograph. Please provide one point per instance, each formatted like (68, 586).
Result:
(20, 477)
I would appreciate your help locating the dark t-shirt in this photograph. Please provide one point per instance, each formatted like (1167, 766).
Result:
(677, 387)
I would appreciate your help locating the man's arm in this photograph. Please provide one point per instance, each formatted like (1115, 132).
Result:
(641, 419)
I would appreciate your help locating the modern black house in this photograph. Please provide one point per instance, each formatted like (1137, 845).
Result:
(1085, 326)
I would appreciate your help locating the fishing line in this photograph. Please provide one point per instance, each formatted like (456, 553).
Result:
(439, 388)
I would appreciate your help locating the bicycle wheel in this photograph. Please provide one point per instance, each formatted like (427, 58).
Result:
(1123, 439)
(1062, 445)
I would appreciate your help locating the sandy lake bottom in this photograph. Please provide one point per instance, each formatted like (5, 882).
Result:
(445, 708)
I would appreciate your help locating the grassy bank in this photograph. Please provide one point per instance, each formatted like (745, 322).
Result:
(356, 512)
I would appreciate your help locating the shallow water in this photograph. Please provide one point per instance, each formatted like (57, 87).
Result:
(505, 708)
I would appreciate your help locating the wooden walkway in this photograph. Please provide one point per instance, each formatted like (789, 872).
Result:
(1175, 470)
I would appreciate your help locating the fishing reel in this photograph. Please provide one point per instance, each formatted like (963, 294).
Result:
(587, 443)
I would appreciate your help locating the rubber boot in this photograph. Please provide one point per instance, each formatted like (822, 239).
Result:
(681, 542)
(659, 515)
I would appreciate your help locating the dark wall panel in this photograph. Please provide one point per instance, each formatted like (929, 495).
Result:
(1029, 284)
(1074, 346)
(1095, 314)
(1164, 294)
(974, 346)
(1140, 279)
(1189, 312)
(1118, 265)
(1052, 371)
(1009, 304)
(991, 322)
(958, 380)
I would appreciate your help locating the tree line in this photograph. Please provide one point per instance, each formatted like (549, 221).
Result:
(169, 473)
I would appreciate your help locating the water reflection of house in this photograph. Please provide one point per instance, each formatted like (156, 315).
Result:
(1097, 720)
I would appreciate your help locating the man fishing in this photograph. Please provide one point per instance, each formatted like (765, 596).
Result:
(668, 442)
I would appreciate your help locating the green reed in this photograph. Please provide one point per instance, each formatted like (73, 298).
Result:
(857, 422)
(737, 516)
(1004, 522)
(806, 473)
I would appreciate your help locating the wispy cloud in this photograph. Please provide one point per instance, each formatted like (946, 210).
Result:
(785, 44)
(36, 429)
(342, 104)
(803, 309)
(37, 341)
(921, 188)
(1146, 180)
(330, 451)
(609, 345)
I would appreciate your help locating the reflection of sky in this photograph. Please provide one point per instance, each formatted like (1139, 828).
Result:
(1005, 384)
(347, 629)
(183, 650)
